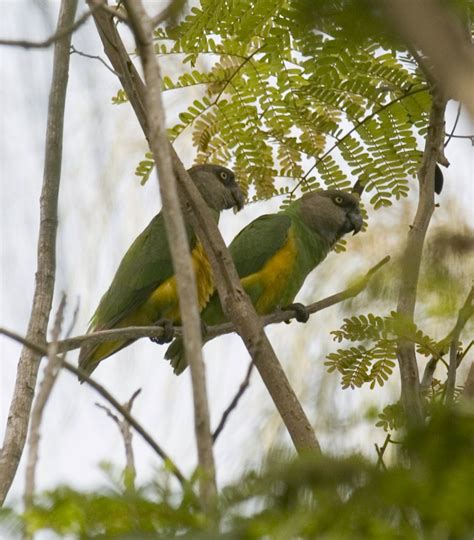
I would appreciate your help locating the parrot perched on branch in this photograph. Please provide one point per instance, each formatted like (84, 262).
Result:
(143, 290)
(275, 253)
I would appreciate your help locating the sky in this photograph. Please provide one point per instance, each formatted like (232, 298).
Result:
(102, 208)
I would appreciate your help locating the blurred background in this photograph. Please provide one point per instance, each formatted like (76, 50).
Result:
(103, 207)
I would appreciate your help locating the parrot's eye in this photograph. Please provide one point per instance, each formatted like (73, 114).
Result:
(224, 175)
(338, 199)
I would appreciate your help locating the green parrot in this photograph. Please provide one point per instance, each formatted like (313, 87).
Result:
(275, 253)
(143, 290)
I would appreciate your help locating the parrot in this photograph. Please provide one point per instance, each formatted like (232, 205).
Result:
(143, 291)
(274, 254)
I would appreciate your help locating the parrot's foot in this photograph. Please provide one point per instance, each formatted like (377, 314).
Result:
(301, 312)
(168, 332)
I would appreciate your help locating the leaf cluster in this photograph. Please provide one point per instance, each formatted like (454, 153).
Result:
(372, 361)
(294, 105)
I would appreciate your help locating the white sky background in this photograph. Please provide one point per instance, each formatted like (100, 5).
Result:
(102, 208)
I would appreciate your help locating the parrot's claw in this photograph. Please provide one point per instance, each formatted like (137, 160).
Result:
(301, 312)
(168, 332)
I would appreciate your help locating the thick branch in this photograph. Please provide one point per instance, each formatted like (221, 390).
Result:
(239, 309)
(182, 263)
(27, 372)
(411, 391)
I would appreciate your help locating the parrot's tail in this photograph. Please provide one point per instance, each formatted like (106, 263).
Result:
(90, 356)
(87, 362)
(175, 354)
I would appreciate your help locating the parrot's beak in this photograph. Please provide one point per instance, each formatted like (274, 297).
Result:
(356, 221)
(238, 197)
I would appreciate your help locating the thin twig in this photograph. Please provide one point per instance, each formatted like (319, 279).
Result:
(59, 34)
(455, 125)
(179, 248)
(27, 371)
(381, 451)
(124, 427)
(235, 401)
(92, 57)
(49, 378)
(470, 137)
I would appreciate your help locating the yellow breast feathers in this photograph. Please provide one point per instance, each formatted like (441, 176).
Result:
(164, 299)
(272, 278)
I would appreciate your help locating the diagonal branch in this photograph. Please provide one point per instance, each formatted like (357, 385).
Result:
(58, 35)
(183, 267)
(27, 372)
(235, 401)
(42, 350)
(236, 303)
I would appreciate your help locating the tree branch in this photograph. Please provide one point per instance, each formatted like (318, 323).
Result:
(464, 315)
(239, 309)
(235, 401)
(124, 427)
(27, 372)
(50, 375)
(42, 350)
(93, 57)
(58, 35)
(410, 383)
(182, 263)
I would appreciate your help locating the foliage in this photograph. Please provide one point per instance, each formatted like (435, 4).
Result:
(294, 102)
(374, 364)
(425, 494)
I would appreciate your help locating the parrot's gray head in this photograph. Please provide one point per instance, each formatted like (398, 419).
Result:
(332, 213)
(217, 186)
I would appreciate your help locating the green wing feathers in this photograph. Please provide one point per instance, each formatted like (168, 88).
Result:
(146, 264)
